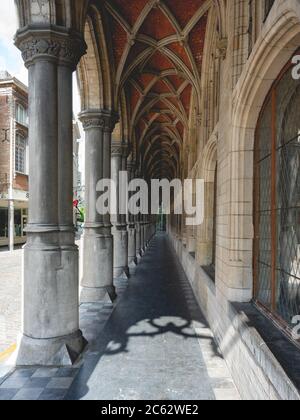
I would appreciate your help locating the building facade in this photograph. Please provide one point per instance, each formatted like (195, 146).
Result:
(170, 89)
(14, 163)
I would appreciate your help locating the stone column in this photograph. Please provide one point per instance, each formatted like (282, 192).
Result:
(11, 225)
(131, 227)
(124, 216)
(138, 230)
(50, 331)
(97, 281)
(119, 230)
(142, 225)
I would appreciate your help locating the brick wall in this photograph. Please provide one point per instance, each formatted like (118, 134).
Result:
(10, 92)
(4, 145)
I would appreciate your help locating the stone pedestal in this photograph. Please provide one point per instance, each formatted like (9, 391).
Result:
(50, 332)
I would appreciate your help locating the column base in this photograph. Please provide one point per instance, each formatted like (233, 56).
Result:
(122, 273)
(98, 295)
(132, 267)
(61, 351)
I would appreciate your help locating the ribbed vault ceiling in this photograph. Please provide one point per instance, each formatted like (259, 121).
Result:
(158, 51)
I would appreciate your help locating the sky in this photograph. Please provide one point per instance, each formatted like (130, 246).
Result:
(10, 56)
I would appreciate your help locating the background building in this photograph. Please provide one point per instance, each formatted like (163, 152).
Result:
(78, 186)
(14, 194)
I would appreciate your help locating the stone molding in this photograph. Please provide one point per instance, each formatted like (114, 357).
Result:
(117, 149)
(66, 48)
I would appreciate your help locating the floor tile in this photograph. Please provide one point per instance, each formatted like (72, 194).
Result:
(60, 383)
(28, 394)
(7, 394)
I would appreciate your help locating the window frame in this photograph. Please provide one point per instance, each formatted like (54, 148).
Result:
(17, 147)
(21, 109)
(271, 312)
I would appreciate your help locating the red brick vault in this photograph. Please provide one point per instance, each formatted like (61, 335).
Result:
(157, 51)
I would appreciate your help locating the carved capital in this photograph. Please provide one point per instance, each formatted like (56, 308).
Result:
(67, 48)
(91, 122)
(98, 119)
(110, 120)
(116, 149)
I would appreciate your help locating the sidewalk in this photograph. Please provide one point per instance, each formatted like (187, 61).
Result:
(10, 298)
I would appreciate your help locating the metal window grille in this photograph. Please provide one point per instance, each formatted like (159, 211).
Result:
(277, 201)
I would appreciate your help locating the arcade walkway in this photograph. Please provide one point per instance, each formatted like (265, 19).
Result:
(155, 345)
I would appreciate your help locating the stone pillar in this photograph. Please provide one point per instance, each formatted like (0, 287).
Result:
(138, 237)
(97, 281)
(142, 224)
(50, 331)
(131, 226)
(119, 230)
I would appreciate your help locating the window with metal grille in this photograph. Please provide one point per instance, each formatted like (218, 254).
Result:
(20, 154)
(277, 201)
(21, 115)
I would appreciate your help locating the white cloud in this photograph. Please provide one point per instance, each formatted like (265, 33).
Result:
(10, 58)
(8, 21)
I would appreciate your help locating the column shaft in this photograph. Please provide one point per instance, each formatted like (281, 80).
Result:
(131, 227)
(119, 230)
(97, 281)
(51, 334)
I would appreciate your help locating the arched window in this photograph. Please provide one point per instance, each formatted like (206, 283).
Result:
(277, 200)
(20, 154)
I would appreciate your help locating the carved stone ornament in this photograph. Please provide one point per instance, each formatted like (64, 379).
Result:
(117, 149)
(65, 48)
(104, 120)
(89, 123)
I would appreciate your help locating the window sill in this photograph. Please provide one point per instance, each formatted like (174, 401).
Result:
(210, 270)
(263, 331)
(21, 173)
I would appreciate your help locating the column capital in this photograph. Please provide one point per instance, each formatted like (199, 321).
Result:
(117, 149)
(50, 43)
(102, 119)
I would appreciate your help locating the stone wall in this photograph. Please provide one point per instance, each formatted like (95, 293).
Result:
(255, 370)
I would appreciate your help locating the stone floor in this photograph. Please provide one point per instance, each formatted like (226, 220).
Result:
(153, 344)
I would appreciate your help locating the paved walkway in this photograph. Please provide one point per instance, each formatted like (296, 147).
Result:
(10, 297)
(154, 344)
